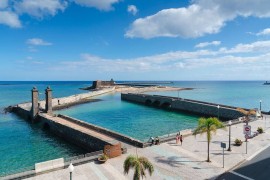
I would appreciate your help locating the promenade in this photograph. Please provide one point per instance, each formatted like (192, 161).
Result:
(173, 161)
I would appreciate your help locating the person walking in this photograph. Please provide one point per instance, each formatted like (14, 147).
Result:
(177, 138)
(181, 139)
(152, 140)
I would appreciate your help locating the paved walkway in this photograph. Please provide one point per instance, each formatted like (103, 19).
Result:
(85, 130)
(79, 127)
(172, 161)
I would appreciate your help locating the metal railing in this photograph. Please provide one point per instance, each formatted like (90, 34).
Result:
(30, 171)
(83, 158)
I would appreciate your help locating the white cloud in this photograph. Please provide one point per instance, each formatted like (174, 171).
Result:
(38, 42)
(10, 19)
(132, 9)
(205, 44)
(255, 47)
(10, 10)
(198, 19)
(3, 4)
(246, 55)
(105, 5)
(40, 8)
(264, 32)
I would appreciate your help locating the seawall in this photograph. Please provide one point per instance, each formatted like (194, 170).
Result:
(85, 135)
(72, 134)
(64, 102)
(118, 136)
(201, 108)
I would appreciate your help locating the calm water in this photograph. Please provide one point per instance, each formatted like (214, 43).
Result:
(134, 120)
(236, 93)
(22, 144)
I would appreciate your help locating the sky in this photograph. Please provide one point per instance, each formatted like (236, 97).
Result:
(134, 40)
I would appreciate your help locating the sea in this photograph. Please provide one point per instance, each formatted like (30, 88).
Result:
(22, 144)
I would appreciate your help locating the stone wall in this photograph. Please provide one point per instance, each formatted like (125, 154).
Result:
(79, 138)
(23, 113)
(83, 140)
(185, 105)
(98, 84)
(102, 130)
(58, 103)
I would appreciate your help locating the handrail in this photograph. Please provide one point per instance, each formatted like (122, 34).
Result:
(30, 171)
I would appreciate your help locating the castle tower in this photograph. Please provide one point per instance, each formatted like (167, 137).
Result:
(35, 106)
(48, 106)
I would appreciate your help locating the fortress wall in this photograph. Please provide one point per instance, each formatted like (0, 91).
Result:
(185, 105)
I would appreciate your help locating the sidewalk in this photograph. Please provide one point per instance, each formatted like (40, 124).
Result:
(172, 161)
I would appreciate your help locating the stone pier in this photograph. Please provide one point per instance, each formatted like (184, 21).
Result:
(85, 135)
(201, 108)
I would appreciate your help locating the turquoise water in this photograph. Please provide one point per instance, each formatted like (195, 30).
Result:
(137, 121)
(236, 93)
(22, 144)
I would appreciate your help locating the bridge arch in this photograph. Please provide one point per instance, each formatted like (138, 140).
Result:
(156, 103)
(148, 102)
(166, 105)
(46, 126)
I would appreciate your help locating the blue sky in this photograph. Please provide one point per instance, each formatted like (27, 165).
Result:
(134, 39)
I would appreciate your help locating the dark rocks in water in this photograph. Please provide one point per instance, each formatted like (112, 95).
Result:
(6, 110)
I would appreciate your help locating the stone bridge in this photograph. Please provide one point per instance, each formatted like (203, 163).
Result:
(201, 108)
(85, 135)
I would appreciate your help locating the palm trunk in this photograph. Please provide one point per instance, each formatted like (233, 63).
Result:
(208, 144)
(208, 147)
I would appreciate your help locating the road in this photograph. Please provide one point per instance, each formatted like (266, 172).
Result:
(257, 168)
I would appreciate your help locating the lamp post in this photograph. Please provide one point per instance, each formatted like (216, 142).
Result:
(230, 124)
(71, 169)
(218, 111)
(260, 105)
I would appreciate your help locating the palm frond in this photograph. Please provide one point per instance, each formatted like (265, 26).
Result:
(137, 172)
(147, 165)
(129, 163)
(140, 164)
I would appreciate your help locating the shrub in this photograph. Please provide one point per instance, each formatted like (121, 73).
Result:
(260, 130)
(238, 142)
(103, 157)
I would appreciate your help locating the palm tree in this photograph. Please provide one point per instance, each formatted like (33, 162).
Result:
(247, 113)
(140, 164)
(208, 125)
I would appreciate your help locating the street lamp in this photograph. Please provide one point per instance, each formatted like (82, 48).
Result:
(218, 111)
(260, 105)
(230, 124)
(71, 169)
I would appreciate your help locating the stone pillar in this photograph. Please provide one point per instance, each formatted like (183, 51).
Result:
(35, 107)
(48, 106)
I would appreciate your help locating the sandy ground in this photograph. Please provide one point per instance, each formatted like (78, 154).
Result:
(129, 89)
